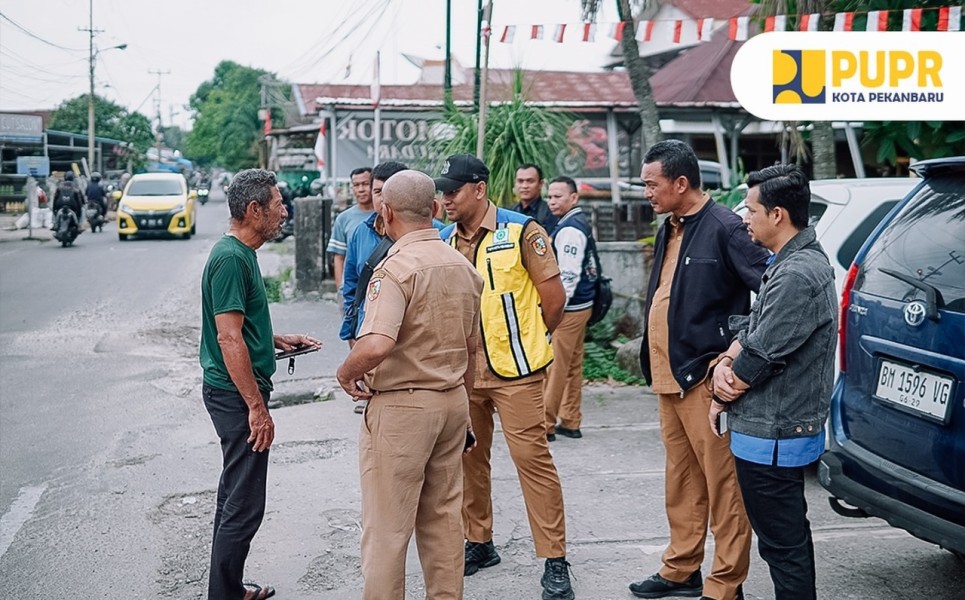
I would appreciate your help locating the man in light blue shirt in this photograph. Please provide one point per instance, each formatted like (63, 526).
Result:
(774, 382)
(349, 219)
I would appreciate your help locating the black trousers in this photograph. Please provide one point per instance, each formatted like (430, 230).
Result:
(241, 493)
(775, 504)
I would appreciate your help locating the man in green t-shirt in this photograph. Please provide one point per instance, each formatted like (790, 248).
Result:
(238, 358)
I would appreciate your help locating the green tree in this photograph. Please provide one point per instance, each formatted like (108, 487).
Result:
(174, 137)
(638, 69)
(516, 133)
(110, 120)
(226, 129)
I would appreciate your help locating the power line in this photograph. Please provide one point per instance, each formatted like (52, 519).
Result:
(37, 37)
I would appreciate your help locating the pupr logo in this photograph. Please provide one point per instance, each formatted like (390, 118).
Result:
(799, 77)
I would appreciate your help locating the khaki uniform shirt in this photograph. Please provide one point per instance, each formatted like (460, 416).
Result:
(425, 297)
(539, 266)
(662, 378)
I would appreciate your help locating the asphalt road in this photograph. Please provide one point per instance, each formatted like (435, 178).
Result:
(108, 462)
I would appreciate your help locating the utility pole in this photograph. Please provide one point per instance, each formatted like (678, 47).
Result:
(90, 100)
(486, 34)
(475, 72)
(447, 79)
(158, 136)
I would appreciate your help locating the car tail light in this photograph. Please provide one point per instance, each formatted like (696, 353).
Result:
(843, 317)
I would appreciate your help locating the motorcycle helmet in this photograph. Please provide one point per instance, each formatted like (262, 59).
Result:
(95, 176)
(282, 185)
(316, 186)
(69, 176)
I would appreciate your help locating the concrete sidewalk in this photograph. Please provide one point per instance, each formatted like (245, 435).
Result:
(10, 233)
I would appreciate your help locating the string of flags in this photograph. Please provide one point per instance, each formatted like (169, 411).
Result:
(738, 28)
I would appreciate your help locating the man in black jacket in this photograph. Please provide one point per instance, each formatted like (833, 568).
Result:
(705, 267)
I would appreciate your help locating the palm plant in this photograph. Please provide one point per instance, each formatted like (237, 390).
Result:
(516, 133)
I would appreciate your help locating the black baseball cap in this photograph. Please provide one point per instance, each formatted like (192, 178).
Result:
(460, 169)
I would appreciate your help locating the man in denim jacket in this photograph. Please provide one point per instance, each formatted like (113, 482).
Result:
(775, 379)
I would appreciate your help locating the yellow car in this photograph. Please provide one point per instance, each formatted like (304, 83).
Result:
(157, 203)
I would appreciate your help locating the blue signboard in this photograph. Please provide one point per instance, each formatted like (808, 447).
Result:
(36, 166)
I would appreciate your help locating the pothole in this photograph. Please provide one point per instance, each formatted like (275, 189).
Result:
(291, 453)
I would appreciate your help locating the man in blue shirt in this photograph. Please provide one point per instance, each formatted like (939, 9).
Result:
(348, 220)
(774, 382)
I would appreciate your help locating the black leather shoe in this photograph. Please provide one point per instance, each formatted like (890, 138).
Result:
(550, 437)
(658, 587)
(556, 580)
(480, 556)
(570, 433)
(739, 596)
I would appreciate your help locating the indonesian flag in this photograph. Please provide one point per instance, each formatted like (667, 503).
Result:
(616, 32)
(911, 19)
(558, 35)
(589, 32)
(677, 26)
(376, 87)
(509, 33)
(843, 21)
(738, 28)
(810, 22)
(775, 23)
(705, 28)
(877, 20)
(267, 121)
(645, 31)
(950, 18)
(536, 33)
(320, 147)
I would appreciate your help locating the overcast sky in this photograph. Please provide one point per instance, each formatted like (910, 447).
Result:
(306, 41)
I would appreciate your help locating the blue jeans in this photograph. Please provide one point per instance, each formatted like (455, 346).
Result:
(241, 493)
(775, 504)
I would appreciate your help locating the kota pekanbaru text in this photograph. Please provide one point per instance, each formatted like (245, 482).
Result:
(909, 97)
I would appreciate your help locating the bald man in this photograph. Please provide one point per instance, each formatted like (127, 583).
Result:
(414, 362)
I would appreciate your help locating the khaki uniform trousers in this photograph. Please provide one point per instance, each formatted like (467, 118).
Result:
(410, 449)
(701, 481)
(521, 415)
(563, 389)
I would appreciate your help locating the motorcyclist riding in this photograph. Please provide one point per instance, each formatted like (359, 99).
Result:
(95, 193)
(69, 195)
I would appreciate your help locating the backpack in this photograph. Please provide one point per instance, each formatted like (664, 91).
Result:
(363, 283)
(603, 297)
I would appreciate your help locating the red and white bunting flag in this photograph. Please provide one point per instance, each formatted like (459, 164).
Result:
(775, 23)
(877, 21)
(536, 33)
(558, 34)
(509, 33)
(589, 32)
(705, 29)
(616, 32)
(911, 19)
(320, 147)
(738, 28)
(677, 26)
(844, 21)
(645, 31)
(950, 18)
(810, 22)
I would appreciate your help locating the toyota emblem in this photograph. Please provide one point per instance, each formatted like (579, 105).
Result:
(915, 313)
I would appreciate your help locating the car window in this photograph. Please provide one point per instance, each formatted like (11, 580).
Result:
(849, 249)
(926, 241)
(155, 187)
(816, 211)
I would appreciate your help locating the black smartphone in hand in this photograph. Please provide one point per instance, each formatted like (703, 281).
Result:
(470, 440)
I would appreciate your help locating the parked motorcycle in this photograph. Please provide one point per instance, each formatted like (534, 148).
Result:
(95, 217)
(66, 228)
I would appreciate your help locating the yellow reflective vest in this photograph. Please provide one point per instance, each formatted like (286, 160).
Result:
(514, 335)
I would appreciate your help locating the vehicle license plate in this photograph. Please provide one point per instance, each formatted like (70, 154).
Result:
(150, 222)
(924, 393)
